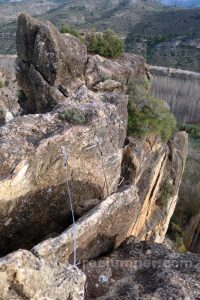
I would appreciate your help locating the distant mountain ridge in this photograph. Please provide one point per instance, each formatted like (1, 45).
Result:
(182, 3)
(165, 35)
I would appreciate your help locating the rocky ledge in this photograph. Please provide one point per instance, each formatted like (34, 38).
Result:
(73, 135)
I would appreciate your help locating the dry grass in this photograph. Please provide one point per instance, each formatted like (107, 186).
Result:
(183, 96)
(7, 64)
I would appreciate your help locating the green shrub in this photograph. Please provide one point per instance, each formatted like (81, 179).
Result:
(70, 30)
(147, 115)
(106, 44)
(73, 115)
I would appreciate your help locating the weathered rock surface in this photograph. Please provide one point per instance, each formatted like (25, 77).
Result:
(50, 65)
(24, 276)
(143, 271)
(34, 199)
(149, 165)
(98, 232)
(168, 195)
(156, 169)
(9, 90)
(123, 70)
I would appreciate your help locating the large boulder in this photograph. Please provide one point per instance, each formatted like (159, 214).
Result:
(50, 65)
(24, 276)
(143, 271)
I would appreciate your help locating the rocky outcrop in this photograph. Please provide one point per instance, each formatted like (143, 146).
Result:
(24, 276)
(50, 65)
(73, 150)
(123, 70)
(145, 212)
(90, 124)
(143, 271)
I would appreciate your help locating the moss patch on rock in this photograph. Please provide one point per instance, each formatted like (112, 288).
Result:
(74, 115)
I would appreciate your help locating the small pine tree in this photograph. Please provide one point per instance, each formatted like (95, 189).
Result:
(106, 44)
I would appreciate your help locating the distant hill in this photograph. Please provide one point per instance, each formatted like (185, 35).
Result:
(165, 35)
(168, 38)
(182, 3)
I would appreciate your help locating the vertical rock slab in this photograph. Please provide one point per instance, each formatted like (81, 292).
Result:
(156, 169)
(50, 65)
(168, 194)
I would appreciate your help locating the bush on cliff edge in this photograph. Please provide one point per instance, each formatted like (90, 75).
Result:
(70, 30)
(148, 115)
(106, 43)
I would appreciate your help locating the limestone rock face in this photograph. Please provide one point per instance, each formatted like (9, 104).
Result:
(143, 271)
(50, 64)
(24, 276)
